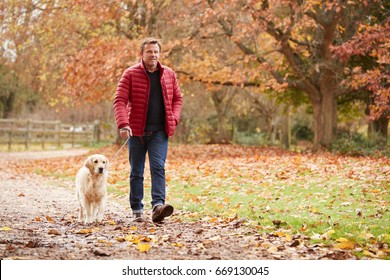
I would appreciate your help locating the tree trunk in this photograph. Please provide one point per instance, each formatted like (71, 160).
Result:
(380, 127)
(224, 135)
(286, 130)
(222, 102)
(9, 105)
(325, 114)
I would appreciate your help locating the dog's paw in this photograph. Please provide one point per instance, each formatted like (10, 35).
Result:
(99, 217)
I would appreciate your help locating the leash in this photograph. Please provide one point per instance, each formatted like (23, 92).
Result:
(119, 150)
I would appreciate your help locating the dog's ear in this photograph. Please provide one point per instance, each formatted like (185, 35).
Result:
(89, 164)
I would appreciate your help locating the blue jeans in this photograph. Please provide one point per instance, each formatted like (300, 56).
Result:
(156, 145)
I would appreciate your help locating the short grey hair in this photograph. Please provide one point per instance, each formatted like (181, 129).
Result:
(148, 41)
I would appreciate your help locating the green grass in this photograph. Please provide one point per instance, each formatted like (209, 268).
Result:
(308, 207)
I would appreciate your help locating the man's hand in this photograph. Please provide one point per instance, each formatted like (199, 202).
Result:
(125, 132)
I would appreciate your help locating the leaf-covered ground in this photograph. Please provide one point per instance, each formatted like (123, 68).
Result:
(231, 202)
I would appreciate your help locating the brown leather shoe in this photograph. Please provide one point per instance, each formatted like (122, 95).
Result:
(138, 217)
(161, 211)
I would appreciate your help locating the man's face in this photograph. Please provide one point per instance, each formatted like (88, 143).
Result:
(150, 56)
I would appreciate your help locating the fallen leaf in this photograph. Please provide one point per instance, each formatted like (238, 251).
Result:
(129, 237)
(266, 245)
(316, 236)
(143, 247)
(193, 215)
(344, 244)
(216, 238)
(367, 253)
(135, 239)
(105, 242)
(21, 195)
(5, 228)
(49, 219)
(85, 231)
(349, 245)
(54, 232)
(303, 227)
(272, 249)
(342, 239)
(329, 232)
(10, 247)
(146, 238)
(239, 223)
(295, 243)
(99, 252)
(32, 244)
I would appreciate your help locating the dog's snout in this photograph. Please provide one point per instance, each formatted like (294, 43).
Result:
(101, 169)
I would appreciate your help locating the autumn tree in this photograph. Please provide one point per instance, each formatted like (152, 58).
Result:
(369, 71)
(13, 94)
(294, 42)
(17, 65)
(112, 44)
(38, 37)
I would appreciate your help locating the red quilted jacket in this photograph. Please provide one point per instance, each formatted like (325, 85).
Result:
(132, 95)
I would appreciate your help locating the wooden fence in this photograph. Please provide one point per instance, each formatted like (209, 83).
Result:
(27, 132)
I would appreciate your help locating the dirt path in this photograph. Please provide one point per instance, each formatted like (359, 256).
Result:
(38, 221)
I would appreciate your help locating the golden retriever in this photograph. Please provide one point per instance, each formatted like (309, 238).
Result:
(91, 191)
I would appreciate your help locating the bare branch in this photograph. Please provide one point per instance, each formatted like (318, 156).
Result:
(226, 83)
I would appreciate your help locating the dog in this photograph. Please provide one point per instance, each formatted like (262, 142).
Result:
(91, 188)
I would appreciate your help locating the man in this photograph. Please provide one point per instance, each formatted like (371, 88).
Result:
(147, 108)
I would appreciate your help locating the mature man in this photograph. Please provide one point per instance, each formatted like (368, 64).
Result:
(147, 107)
